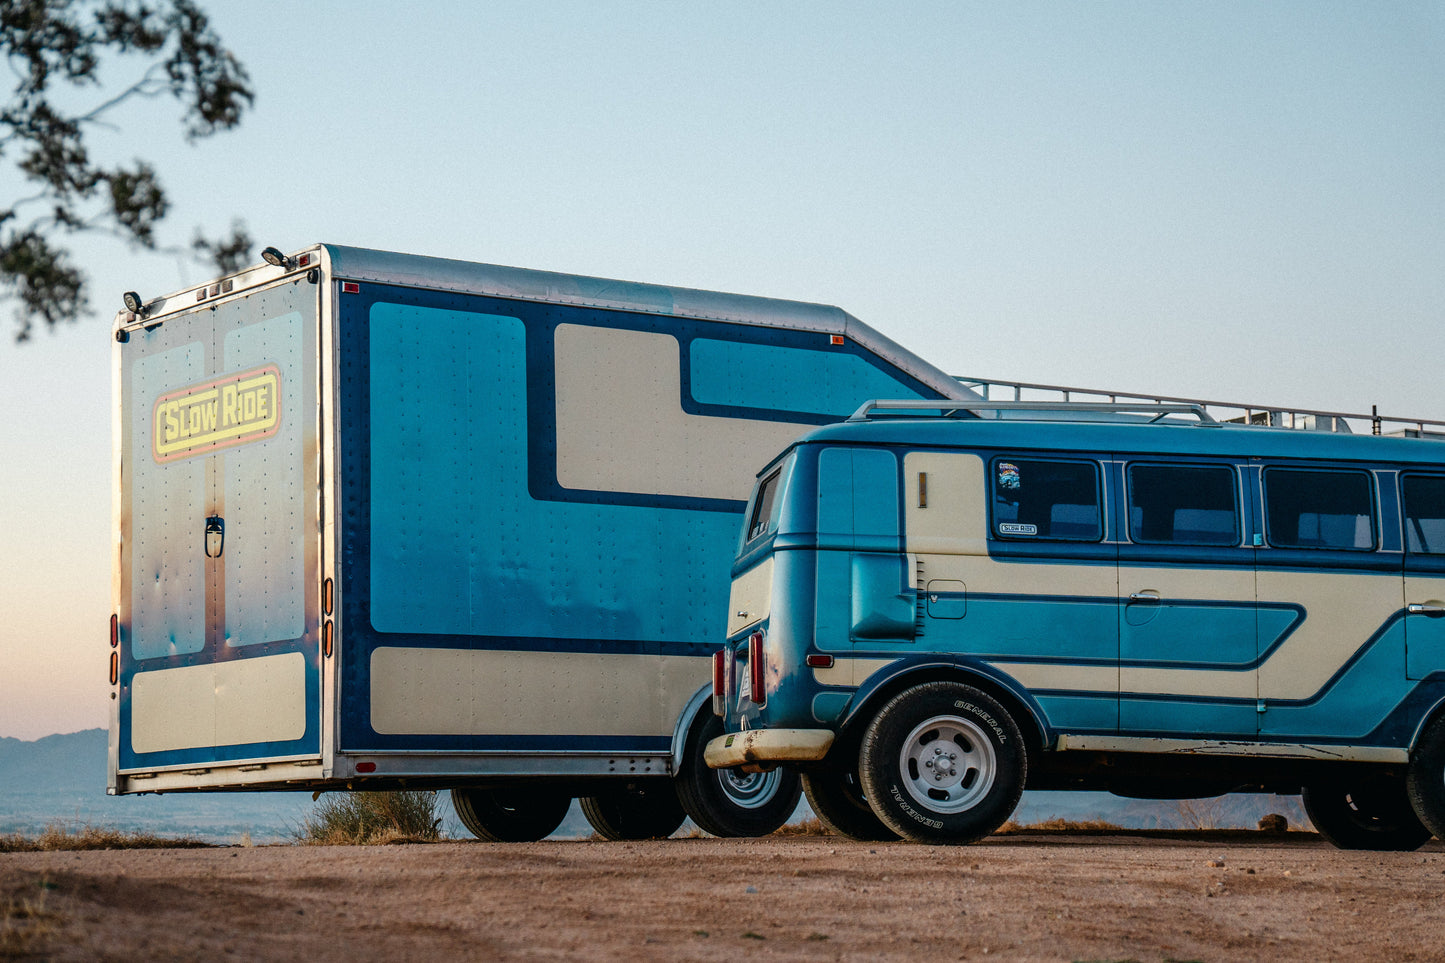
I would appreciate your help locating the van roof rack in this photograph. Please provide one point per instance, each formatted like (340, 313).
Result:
(1229, 412)
(952, 407)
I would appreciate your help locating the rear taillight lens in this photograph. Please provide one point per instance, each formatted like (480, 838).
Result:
(757, 669)
(719, 683)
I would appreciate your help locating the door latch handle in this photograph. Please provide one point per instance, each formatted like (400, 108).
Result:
(1147, 595)
(1425, 608)
(215, 536)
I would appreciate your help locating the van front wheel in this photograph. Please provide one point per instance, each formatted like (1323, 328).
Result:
(942, 763)
(1425, 779)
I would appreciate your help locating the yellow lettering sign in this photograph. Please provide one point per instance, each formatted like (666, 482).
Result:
(230, 410)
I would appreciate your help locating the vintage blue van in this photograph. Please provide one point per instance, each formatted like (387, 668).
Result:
(934, 607)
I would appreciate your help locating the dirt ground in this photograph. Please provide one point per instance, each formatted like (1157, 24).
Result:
(1037, 896)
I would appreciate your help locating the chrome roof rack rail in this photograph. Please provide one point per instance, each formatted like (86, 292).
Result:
(949, 408)
(1234, 412)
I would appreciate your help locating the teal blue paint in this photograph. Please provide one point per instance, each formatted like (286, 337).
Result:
(786, 379)
(828, 706)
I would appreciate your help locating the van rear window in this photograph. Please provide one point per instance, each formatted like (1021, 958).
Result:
(761, 518)
(1425, 514)
(1046, 500)
(1182, 505)
(1319, 509)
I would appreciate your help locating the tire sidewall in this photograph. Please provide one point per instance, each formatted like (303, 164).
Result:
(882, 780)
(1425, 779)
(702, 794)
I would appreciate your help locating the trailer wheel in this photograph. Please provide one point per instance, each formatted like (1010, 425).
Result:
(1425, 779)
(725, 802)
(942, 763)
(640, 811)
(512, 814)
(1366, 813)
(838, 802)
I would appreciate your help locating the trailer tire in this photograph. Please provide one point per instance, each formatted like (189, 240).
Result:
(647, 810)
(942, 763)
(512, 814)
(1425, 779)
(728, 803)
(837, 800)
(1365, 813)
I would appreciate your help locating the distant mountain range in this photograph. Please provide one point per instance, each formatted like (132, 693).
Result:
(61, 779)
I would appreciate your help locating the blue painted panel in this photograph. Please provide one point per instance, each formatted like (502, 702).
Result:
(1080, 713)
(1056, 628)
(787, 379)
(1148, 717)
(1192, 631)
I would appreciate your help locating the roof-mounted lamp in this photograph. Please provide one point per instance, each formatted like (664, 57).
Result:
(133, 304)
(275, 258)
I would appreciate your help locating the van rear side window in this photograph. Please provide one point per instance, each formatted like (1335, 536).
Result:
(1182, 505)
(1319, 509)
(1425, 514)
(762, 515)
(1046, 500)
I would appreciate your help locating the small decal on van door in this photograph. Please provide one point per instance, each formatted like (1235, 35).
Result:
(226, 411)
(1017, 528)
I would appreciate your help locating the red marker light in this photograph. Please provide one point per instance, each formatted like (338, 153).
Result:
(350, 287)
(366, 767)
(820, 661)
(836, 339)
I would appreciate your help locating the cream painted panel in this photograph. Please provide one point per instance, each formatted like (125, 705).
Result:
(751, 597)
(621, 427)
(988, 575)
(223, 704)
(464, 692)
(1342, 612)
(955, 519)
(1083, 678)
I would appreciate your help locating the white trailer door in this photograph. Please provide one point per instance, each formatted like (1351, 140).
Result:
(219, 550)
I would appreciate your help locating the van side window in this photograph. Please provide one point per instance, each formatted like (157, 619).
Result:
(1319, 509)
(1182, 505)
(762, 517)
(1046, 499)
(1425, 514)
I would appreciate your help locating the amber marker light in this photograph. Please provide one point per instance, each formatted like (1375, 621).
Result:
(114, 630)
(326, 597)
(114, 667)
(326, 638)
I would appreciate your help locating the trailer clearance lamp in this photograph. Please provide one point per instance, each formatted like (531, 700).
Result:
(114, 667)
(364, 767)
(350, 287)
(836, 340)
(756, 674)
(114, 630)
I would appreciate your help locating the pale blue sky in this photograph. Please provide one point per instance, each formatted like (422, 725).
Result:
(1229, 200)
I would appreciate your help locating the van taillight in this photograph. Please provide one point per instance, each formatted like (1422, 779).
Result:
(756, 667)
(719, 683)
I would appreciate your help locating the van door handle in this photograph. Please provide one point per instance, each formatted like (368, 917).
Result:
(1425, 608)
(1148, 595)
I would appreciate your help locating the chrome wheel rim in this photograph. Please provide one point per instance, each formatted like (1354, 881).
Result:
(749, 790)
(948, 764)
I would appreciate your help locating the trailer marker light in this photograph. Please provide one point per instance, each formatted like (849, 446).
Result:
(114, 667)
(201, 294)
(326, 639)
(837, 339)
(114, 630)
(757, 674)
(820, 661)
(303, 260)
(326, 597)
(366, 767)
(350, 287)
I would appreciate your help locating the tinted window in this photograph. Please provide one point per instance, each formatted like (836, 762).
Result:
(1046, 499)
(762, 516)
(1319, 509)
(1425, 514)
(1182, 505)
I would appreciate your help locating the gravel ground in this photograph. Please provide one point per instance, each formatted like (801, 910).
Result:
(1032, 896)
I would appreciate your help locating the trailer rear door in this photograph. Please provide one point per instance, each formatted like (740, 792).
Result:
(219, 569)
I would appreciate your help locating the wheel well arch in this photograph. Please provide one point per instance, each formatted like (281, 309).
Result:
(1428, 717)
(875, 693)
(686, 719)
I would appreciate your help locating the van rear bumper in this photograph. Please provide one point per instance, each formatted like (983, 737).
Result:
(768, 745)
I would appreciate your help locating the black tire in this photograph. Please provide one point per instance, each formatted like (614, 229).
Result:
(725, 802)
(912, 775)
(1365, 813)
(641, 811)
(510, 815)
(838, 803)
(1425, 779)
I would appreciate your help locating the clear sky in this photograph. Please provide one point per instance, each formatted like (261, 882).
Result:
(1226, 200)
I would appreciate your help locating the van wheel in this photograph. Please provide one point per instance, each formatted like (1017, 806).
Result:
(1367, 813)
(1425, 779)
(942, 763)
(728, 802)
(512, 814)
(838, 802)
(641, 811)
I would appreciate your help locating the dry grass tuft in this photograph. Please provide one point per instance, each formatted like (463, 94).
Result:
(1058, 826)
(372, 819)
(804, 827)
(25, 923)
(59, 837)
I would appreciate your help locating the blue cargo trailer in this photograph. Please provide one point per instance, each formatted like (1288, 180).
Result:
(390, 521)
